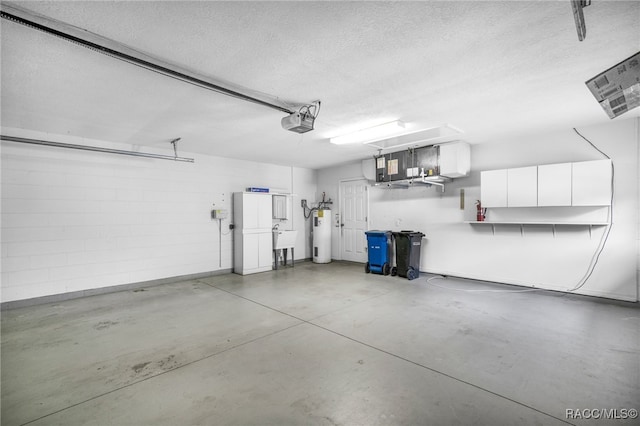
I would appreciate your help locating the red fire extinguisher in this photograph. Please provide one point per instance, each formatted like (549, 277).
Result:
(480, 212)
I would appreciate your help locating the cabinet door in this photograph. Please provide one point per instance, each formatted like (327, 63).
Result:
(522, 187)
(257, 211)
(554, 185)
(250, 251)
(264, 211)
(265, 250)
(250, 208)
(591, 183)
(493, 188)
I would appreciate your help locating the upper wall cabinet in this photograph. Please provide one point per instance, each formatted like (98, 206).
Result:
(493, 188)
(586, 183)
(591, 183)
(522, 187)
(554, 185)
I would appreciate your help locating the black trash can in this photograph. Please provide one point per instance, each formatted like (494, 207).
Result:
(408, 245)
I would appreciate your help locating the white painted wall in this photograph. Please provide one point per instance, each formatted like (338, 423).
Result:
(536, 258)
(76, 220)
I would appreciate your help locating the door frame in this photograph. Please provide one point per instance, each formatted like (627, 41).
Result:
(341, 207)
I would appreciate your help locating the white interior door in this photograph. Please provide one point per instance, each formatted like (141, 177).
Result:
(354, 214)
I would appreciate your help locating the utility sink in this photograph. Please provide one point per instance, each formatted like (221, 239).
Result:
(284, 239)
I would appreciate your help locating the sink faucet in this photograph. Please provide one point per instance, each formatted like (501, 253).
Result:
(275, 227)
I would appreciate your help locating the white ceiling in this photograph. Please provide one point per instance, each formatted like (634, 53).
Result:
(494, 69)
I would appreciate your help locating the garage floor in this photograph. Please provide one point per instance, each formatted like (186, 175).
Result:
(320, 344)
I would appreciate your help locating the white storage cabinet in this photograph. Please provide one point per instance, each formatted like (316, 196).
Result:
(591, 183)
(253, 239)
(554, 185)
(493, 188)
(522, 187)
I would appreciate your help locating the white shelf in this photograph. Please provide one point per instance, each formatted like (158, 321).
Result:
(486, 222)
(424, 180)
(522, 225)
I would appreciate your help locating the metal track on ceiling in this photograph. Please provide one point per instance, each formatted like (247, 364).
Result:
(119, 51)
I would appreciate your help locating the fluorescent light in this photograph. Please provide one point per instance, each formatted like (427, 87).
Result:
(371, 134)
(418, 137)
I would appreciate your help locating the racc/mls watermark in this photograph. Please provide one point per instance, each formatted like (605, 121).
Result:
(601, 413)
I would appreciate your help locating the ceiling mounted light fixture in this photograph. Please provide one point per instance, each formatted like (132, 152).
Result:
(439, 134)
(370, 134)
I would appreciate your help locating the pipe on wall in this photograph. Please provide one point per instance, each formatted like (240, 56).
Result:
(94, 148)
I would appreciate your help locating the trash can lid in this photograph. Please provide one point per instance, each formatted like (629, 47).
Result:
(409, 233)
(374, 232)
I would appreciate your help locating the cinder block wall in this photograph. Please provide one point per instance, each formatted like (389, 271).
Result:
(76, 220)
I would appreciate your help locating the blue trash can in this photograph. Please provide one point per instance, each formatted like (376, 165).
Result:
(379, 250)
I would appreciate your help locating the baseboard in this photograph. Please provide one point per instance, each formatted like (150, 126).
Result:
(14, 304)
(498, 280)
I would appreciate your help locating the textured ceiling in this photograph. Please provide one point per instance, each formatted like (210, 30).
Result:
(494, 69)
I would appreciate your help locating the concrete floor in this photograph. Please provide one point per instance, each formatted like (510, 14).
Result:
(320, 344)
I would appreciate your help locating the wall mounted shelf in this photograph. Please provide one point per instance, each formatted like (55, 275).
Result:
(522, 225)
(438, 181)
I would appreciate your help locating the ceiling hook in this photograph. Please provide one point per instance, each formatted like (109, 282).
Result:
(175, 146)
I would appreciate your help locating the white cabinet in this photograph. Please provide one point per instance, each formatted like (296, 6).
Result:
(253, 239)
(564, 189)
(256, 253)
(522, 187)
(509, 187)
(250, 253)
(455, 159)
(493, 188)
(591, 183)
(554, 185)
(255, 210)
(586, 183)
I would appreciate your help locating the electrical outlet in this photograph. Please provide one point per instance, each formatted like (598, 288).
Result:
(303, 203)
